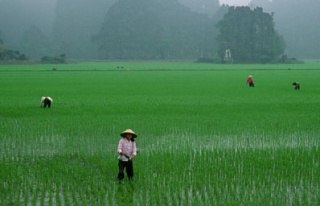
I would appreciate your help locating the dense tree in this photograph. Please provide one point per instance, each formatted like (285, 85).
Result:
(249, 35)
(218, 16)
(154, 29)
(9, 55)
(2, 47)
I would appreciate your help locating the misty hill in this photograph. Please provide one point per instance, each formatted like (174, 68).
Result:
(52, 27)
(298, 22)
(20, 17)
(154, 29)
(75, 23)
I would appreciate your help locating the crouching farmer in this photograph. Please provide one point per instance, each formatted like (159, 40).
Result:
(45, 101)
(296, 85)
(127, 152)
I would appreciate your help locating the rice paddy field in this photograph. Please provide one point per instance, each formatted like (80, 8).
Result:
(204, 136)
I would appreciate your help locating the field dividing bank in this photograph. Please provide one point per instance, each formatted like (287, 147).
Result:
(155, 66)
(204, 138)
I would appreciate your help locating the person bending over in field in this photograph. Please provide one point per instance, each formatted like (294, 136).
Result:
(127, 152)
(45, 101)
(296, 85)
(250, 81)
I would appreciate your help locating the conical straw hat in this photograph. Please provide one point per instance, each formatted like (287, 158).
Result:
(128, 131)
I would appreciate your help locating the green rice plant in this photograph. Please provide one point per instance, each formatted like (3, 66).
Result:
(74, 197)
(204, 137)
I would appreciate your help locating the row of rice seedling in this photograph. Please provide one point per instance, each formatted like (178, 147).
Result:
(204, 138)
(230, 179)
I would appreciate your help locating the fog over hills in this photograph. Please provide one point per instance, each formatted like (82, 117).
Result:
(50, 24)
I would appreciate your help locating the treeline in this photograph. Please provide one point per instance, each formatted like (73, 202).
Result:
(145, 29)
(9, 55)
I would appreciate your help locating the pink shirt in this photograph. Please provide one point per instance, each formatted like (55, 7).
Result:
(126, 146)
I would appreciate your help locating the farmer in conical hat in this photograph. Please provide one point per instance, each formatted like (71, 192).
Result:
(127, 152)
(45, 101)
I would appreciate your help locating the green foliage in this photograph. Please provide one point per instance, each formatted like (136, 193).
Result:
(2, 47)
(60, 59)
(204, 137)
(250, 35)
(10, 55)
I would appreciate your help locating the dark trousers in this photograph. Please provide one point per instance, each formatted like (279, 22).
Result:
(46, 102)
(123, 165)
(251, 84)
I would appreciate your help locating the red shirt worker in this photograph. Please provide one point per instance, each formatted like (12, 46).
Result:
(250, 81)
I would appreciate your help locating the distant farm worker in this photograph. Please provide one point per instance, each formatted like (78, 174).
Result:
(127, 152)
(45, 101)
(250, 81)
(296, 85)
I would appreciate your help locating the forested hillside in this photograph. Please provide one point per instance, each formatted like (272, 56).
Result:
(27, 25)
(157, 29)
(248, 36)
(141, 29)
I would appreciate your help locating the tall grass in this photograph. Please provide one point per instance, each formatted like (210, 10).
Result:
(204, 137)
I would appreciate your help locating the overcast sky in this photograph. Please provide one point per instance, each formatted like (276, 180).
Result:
(235, 2)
